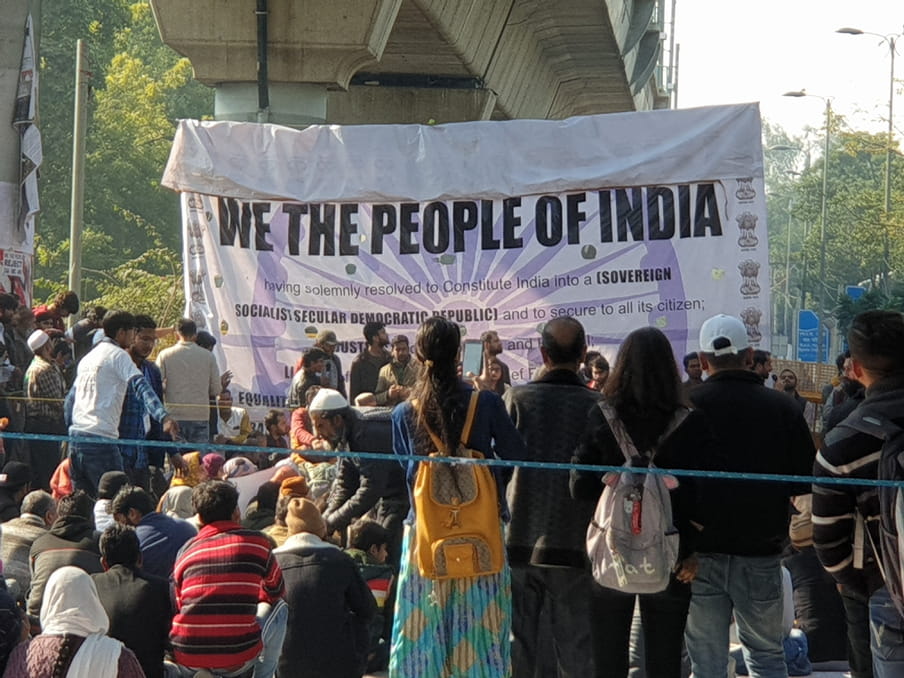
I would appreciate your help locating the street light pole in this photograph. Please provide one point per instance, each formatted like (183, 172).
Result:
(891, 41)
(823, 214)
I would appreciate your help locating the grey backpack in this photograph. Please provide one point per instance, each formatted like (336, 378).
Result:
(632, 541)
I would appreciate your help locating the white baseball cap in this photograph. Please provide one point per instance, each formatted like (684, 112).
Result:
(721, 329)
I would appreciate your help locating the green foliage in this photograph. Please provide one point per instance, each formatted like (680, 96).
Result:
(855, 224)
(132, 226)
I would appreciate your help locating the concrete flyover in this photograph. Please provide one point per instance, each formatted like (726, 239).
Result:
(417, 61)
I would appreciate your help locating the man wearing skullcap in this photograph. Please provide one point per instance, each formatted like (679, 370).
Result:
(45, 390)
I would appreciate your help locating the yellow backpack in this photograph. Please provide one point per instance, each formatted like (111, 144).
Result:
(457, 512)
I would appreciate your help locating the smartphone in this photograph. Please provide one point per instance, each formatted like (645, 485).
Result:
(471, 357)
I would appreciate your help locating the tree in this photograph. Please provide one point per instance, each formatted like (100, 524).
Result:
(132, 225)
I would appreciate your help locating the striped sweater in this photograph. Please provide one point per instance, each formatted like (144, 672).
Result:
(840, 512)
(219, 578)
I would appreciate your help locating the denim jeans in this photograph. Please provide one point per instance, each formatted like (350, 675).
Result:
(90, 457)
(751, 588)
(273, 621)
(886, 635)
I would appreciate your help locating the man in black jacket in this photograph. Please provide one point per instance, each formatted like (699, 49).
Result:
(846, 517)
(743, 524)
(361, 484)
(137, 604)
(72, 540)
(545, 542)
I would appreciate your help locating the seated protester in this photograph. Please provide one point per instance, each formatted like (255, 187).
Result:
(137, 603)
(160, 536)
(277, 429)
(15, 483)
(227, 570)
(17, 535)
(213, 465)
(295, 486)
(261, 510)
(301, 430)
(61, 480)
(238, 467)
(330, 606)
(369, 547)
(176, 501)
(14, 627)
(73, 641)
(109, 484)
(71, 540)
(233, 423)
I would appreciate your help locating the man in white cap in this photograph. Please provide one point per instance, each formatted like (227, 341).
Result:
(45, 390)
(743, 524)
(361, 484)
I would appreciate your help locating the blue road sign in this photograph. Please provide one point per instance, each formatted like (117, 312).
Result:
(807, 336)
(854, 291)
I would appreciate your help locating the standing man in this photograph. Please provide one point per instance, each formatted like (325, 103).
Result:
(190, 379)
(365, 370)
(45, 391)
(398, 376)
(135, 422)
(101, 382)
(762, 364)
(846, 517)
(743, 524)
(694, 373)
(492, 348)
(545, 542)
(332, 376)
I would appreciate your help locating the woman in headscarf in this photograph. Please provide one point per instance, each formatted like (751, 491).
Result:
(74, 643)
(176, 501)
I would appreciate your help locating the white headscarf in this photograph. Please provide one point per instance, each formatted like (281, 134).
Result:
(71, 605)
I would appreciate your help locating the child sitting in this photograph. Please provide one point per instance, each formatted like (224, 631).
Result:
(368, 547)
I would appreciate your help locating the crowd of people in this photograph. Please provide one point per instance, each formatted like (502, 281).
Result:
(126, 558)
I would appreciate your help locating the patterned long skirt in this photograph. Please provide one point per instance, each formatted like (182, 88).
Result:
(453, 628)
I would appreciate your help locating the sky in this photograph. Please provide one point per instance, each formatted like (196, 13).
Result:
(733, 51)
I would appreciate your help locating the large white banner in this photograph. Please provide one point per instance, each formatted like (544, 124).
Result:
(621, 221)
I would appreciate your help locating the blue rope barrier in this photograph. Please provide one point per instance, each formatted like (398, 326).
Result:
(504, 463)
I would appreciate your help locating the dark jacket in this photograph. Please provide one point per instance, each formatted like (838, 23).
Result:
(140, 613)
(330, 609)
(849, 453)
(548, 527)
(364, 373)
(363, 482)
(686, 447)
(754, 430)
(9, 507)
(72, 540)
(161, 537)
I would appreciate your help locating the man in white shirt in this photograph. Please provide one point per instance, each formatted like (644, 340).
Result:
(190, 379)
(97, 395)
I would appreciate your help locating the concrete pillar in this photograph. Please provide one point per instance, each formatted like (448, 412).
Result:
(12, 33)
(362, 104)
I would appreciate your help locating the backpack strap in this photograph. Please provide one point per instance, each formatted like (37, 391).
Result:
(629, 450)
(465, 430)
(625, 444)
